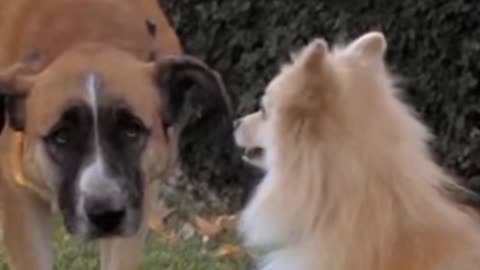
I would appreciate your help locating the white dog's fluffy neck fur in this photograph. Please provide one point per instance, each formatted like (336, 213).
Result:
(363, 193)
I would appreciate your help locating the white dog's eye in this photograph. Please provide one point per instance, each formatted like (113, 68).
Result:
(263, 111)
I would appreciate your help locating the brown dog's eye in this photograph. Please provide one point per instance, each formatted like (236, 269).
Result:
(132, 131)
(67, 130)
(61, 136)
(130, 128)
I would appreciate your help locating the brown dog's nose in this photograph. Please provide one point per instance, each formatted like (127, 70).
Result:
(236, 124)
(104, 215)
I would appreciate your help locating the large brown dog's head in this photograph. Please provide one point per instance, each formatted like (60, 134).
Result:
(97, 126)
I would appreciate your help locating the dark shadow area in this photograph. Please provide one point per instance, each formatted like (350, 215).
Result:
(434, 45)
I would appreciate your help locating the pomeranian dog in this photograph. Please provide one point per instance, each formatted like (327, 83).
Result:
(350, 183)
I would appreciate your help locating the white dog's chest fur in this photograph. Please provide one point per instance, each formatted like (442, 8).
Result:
(263, 227)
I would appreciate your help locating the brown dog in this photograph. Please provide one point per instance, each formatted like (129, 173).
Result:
(90, 94)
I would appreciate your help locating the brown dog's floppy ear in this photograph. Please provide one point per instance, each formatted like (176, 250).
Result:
(14, 87)
(197, 106)
(184, 77)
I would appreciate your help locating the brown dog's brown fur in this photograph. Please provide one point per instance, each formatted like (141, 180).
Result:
(51, 28)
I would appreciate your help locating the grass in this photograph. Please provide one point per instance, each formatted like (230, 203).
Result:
(190, 254)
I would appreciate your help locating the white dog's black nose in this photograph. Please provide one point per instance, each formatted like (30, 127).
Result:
(105, 215)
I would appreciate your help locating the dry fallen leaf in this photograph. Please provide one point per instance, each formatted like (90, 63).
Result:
(227, 222)
(162, 210)
(215, 226)
(156, 221)
(156, 224)
(208, 228)
(230, 251)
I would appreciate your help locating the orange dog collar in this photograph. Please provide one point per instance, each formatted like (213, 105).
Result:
(17, 171)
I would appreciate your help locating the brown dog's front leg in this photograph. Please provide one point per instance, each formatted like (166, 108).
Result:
(122, 253)
(26, 230)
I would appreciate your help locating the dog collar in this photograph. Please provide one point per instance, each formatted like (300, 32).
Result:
(17, 171)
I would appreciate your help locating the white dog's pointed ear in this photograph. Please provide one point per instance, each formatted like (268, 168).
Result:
(372, 44)
(314, 53)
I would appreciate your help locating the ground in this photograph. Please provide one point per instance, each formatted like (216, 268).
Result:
(191, 254)
(185, 236)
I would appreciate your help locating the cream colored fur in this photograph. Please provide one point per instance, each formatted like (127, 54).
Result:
(350, 182)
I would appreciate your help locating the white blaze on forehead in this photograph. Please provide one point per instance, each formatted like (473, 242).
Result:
(92, 85)
(93, 176)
